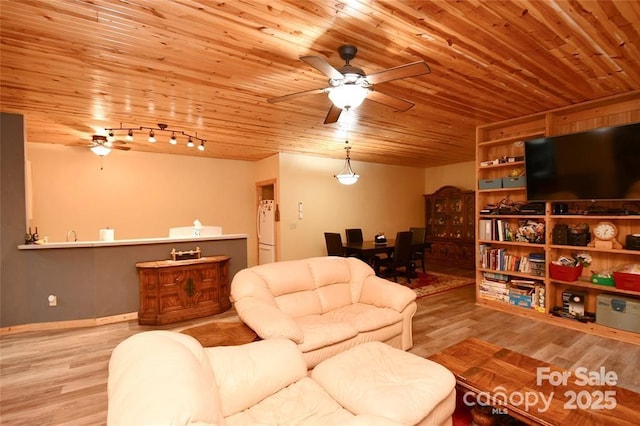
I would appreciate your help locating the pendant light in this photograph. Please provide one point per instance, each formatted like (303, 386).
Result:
(347, 176)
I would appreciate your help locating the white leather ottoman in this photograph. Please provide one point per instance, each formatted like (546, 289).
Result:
(374, 378)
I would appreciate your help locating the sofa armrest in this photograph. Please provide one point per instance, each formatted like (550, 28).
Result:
(386, 294)
(267, 320)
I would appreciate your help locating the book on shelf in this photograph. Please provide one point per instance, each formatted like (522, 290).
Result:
(500, 260)
(495, 229)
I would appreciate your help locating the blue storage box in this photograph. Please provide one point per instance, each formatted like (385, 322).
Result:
(523, 300)
(490, 183)
(514, 182)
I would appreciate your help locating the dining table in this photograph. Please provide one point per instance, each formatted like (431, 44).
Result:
(368, 249)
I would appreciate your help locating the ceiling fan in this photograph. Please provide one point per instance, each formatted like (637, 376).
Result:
(349, 86)
(101, 146)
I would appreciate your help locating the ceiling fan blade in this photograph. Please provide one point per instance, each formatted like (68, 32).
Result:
(120, 147)
(332, 115)
(403, 71)
(390, 101)
(319, 63)
(296, 95)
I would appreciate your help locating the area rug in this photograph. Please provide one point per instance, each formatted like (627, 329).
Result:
(433, 282)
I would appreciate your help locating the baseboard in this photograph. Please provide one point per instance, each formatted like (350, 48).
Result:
(60, 325)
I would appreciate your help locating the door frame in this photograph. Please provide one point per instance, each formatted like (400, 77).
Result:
(262, 187)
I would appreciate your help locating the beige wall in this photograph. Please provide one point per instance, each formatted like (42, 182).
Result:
(142, 195)
(462, 175)
(385, 199)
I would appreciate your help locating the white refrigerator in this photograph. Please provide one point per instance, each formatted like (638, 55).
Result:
(265, 224)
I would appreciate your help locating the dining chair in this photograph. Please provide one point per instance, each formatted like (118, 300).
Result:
(399, 263)
(333, 240)
(417, 249)
(354, 235)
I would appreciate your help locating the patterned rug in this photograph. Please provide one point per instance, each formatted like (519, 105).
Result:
(434, 282)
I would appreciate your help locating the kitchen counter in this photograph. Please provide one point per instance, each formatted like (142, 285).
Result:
(96, 282)
(130, 242)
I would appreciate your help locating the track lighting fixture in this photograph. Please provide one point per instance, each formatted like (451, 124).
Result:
(173, 140)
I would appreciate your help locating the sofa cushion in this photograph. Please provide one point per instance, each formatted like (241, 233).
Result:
(303, 402)
(322, 330)
(247, 374)
(377, 379)
(365, 317)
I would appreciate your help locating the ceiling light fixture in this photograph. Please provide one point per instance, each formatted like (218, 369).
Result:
(100, 150)
(347, 176)
(101, 145)
(152, 134)
(348, 95)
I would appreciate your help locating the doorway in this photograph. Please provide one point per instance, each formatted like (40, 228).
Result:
(267, 220)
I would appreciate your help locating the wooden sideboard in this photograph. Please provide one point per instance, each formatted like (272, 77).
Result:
(173, 291)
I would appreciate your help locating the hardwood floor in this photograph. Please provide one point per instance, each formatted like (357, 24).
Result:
(60, 377)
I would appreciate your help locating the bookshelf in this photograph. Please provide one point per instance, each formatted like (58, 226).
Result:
(504, 242)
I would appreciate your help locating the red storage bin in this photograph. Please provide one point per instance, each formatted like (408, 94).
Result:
(625, 281)
(565, 273)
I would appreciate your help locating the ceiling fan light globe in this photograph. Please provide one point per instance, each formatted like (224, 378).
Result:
(100, 150)
(348, 96)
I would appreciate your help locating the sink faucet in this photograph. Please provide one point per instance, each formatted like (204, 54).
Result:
(75, 236)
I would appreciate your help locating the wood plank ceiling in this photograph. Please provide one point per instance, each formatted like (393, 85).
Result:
(74, 68)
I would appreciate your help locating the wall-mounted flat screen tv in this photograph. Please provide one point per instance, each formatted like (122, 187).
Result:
(601, 164)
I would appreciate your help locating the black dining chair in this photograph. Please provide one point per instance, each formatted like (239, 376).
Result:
(333, 240)
(399, 263)
(417, 249)
(354, 235)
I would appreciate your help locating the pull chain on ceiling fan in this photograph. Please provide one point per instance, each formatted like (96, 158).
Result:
(350, 86)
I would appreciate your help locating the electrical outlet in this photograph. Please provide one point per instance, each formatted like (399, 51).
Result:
(53, 300)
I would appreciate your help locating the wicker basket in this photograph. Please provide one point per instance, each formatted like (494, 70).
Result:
(565, 273)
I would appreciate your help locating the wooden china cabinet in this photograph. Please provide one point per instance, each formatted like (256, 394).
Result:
(450, 227)
(178, 290)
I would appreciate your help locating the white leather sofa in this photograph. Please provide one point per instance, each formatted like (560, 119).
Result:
(168, 378)
(324, 304)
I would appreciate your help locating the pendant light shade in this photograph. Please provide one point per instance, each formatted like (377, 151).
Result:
(347, 176)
